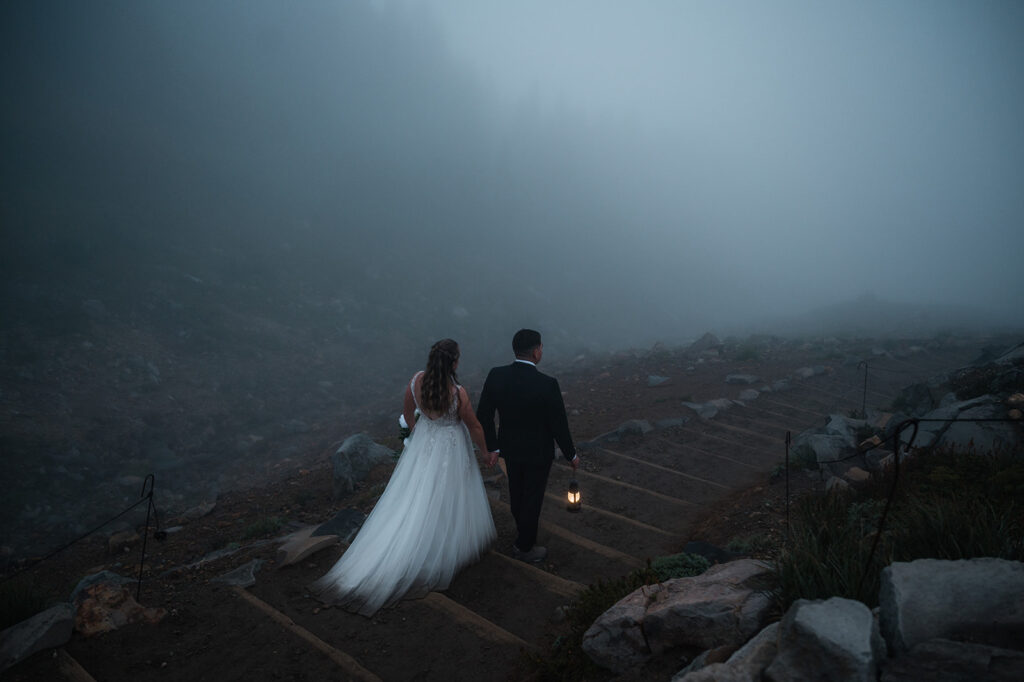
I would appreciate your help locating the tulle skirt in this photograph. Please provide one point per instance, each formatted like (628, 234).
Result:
(432, 520)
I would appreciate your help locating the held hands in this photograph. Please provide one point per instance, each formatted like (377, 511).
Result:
(492, 459)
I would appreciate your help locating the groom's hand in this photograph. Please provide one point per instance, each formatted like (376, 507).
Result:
(575, 462)
(492, 458)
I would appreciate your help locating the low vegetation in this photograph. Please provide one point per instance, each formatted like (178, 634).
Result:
(948, 504)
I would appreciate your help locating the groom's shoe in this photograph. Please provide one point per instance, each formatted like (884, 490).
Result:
(536, 554)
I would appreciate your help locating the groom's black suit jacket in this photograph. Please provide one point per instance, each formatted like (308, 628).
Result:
(531, 413)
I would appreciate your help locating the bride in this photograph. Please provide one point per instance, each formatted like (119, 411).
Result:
(433, 518)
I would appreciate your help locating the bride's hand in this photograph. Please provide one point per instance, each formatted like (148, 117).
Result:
(492, 458)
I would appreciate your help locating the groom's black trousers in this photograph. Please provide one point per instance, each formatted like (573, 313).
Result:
(527, 482)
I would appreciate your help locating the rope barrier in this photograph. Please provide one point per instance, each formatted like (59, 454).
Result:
(147, 496)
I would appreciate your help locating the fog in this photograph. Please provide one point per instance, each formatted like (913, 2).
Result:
(613, 174)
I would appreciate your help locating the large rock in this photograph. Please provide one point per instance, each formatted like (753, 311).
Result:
(705, 343)
(742, 379)
(930, 598)
(835, 639)
(353, 461)
(943, 659)
(747, 664)
(46, 630)
(725, 605)
(106, 606)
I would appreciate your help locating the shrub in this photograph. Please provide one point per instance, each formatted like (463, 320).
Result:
(951, 504)
(680, 565)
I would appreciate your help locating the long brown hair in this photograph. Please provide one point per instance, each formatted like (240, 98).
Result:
(436, 389)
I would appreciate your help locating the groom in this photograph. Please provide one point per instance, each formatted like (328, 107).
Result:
(532, 419)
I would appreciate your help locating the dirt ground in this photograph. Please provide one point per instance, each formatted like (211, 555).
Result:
(209, 633)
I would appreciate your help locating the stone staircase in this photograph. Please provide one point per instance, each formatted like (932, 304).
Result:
(641, 498)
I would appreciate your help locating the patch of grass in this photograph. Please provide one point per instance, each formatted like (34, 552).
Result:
(752, 544)
(680, 565)
(20, 599)
(951, 504)
(264, 526)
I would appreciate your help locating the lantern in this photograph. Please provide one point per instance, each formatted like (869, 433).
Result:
(574, 504)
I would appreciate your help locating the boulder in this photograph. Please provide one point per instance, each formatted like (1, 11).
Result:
(105, 606)
(655, 380)
(746, 664)
(943, 659)
(743, 379)
(123, 541)
(832, 639)
(353, 461)
(724, 606)
(45, 630)
(931, 598)
(984, 436)
(748, 394)
(243, 576)
(705, 343)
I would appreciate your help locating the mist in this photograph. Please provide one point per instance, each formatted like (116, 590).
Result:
(613, 175)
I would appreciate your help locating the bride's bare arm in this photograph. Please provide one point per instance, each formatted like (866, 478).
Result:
(468, 417)
(409, 407)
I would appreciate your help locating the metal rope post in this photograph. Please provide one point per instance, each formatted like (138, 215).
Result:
(864, 401)
(149, 483)
(788, 440)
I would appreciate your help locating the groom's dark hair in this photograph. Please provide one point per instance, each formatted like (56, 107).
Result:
(525, 341)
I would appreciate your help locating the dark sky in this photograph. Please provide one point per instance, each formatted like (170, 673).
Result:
(632, 171)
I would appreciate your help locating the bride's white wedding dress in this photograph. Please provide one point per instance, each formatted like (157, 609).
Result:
(432, 520)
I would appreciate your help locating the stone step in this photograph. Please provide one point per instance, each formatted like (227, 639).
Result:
(673, 481)
(385, 644)
(492, 586)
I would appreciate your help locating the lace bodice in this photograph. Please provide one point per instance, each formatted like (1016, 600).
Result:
(450, 418)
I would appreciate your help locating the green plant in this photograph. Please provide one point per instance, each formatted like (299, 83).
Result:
(950, 504)
(747, 353)
(680, 565)
(751, 544)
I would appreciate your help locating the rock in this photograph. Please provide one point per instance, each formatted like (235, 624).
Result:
(1015, 414)
(197, 512)
(616, 640)
(635, 428)
(984, 436)
(723, 606)
(120, 542)
(107, 606)
(856, 475)
(780, 385)
(243, 576)
(748, 394)
(655, 380)
(746, 664)
(353, 461)
(803, 373)
(835, 639)
(100, 578)
(943, 659)
(930, 598)
(744, 379)
(1015, 400)
(705, 343)
(45, 630)
(302, 544)
(345, 524)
